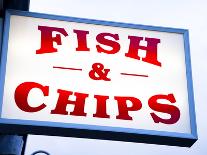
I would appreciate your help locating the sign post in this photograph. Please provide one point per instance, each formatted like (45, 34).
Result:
(11, 144)
(96, 79)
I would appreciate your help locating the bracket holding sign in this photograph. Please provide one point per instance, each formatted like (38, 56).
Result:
(86, 78)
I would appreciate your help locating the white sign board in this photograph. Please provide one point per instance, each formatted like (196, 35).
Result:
(63, 72)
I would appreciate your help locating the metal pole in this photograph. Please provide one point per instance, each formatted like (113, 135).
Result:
(11, 144)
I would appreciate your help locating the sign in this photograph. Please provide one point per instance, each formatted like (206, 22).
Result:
(88, 78)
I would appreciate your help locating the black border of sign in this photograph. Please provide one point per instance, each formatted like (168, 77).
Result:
(13, 126)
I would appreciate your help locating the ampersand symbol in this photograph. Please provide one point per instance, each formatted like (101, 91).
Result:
(99, 73)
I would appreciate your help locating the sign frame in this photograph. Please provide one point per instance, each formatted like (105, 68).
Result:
(14, 126)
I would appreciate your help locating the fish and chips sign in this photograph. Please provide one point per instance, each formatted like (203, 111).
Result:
(95, 79)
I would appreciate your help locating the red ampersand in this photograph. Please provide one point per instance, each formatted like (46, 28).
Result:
(99, 73)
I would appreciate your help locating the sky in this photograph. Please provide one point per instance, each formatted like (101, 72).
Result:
(187, 14)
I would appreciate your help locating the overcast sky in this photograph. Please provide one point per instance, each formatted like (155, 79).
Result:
(188, 14)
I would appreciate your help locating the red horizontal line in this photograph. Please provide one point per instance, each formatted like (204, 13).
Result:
(134, 74)
(67, 68)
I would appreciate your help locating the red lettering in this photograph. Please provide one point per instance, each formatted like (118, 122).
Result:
(63, 101)
(82, 40)
(104, 39)
(47, 39)
(22, 92)
(169, 109)
(151, 49)
(101, 38)
(101, 106)
(124, 108)
(125, 104)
